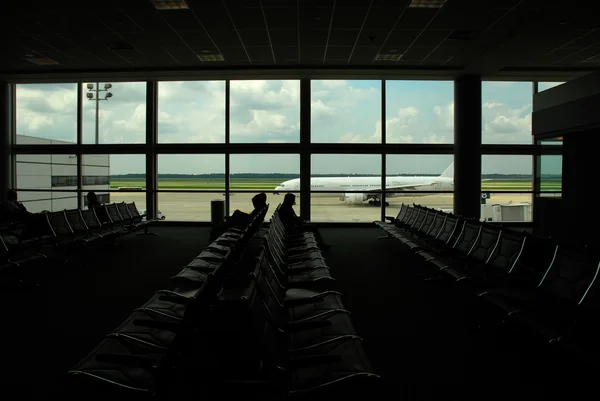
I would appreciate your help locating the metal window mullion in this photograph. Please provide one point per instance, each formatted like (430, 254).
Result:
(305, 148)
(151, 136)
(227, 142)
(383, 154)
(78, 153)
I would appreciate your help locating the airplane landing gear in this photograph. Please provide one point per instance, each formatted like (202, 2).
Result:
(377, 202)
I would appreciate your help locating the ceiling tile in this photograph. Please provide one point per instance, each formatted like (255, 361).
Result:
(284, 37)
(342, 38)
(255, 37)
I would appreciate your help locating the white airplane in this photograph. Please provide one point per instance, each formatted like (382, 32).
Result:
(361, 189)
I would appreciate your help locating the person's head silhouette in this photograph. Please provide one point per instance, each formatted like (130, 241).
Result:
(92, 198)
(259, 200)
(11, 195)
(289, 199)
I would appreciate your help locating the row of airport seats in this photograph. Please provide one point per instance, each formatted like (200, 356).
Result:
(167, 348)
(308, 332)
(547, 291)
(30, 247)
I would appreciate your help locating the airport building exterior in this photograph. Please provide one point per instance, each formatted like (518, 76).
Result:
(52, 176)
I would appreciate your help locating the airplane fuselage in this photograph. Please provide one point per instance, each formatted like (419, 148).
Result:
(371, 184)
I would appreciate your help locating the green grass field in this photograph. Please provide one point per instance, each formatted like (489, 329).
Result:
(269, 184)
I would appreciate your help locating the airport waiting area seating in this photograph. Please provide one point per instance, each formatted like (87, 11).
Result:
(547, 292)
(32, 248)
(255, 314)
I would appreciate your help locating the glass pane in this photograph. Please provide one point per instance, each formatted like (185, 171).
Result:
(345, 111)
(506, 173)
(265, 111)
(51, 201)
(192, 206)
(191, 172)
(506, 113)
(256, 173)
(419, 112)
(407, 175)
(550, 174)
(497, 206)
(351, 185)
(46, 172)
(139, 197)
(114, 112)
(46, 114)
(542, 86)
(191, 112)
(243, 202)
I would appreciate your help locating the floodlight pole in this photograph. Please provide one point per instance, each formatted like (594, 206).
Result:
(97, 98)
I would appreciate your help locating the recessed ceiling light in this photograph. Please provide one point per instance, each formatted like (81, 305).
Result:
(211, 57)
(170, 4)
(426, 3)
(42, 61)
(388, 56)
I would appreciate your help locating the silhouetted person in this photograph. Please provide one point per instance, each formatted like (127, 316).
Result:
(13, 209)
(293, 223)
(92, 200)
(239, 218)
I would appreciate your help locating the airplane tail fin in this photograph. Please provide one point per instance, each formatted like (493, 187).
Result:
(449, 172)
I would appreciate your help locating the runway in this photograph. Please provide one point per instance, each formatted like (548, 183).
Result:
(196, 206)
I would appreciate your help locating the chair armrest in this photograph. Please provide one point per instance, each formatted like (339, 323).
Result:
(390, 218)
(162, 325)
(306, 325)
(312, 360)
(128, 360)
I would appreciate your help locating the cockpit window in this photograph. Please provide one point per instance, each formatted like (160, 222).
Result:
(282, 185)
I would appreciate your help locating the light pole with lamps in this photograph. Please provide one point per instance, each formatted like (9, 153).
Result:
(97, 98)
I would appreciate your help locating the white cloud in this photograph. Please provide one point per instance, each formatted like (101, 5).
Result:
(503, 124)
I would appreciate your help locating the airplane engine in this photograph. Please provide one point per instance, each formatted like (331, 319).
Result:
(354, 198)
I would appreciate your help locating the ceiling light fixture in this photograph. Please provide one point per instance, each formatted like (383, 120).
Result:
(426, 3)
(170, 4)
(42, 61)
(211, 57)
(393, 55)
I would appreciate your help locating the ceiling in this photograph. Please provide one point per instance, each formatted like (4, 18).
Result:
(494, 38)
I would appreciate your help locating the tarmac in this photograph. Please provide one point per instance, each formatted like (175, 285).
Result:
(197, 206)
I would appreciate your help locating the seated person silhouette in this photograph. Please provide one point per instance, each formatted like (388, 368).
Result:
(92, 200)
(239, 218)
(13, 209)
(293, 223)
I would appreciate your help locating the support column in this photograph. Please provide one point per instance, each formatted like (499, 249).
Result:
(467, 146)
(151, 133)
(5, 138)
(305, 149)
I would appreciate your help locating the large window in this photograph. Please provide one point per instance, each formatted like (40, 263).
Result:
(265, 111)
(273, 174)
(46, 114)
(188, 184)
(115, 178)
(114, 112)
(47, 182)
(507, 185)
(345, 111)
(419, 112)
(345, 188)
(426, 180)
(191, 112)
(506, 113)
(251, 129)
(542, 86)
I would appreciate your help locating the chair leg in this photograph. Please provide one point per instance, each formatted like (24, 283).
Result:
(146, 232)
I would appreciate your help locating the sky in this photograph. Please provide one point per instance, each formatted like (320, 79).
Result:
(342, 111)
